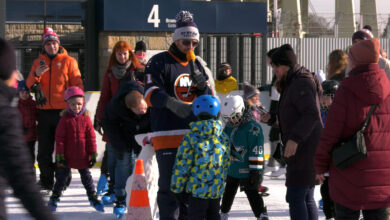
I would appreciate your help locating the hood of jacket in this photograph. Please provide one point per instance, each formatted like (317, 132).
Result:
(299, 71)
(206, 128)
(368, 83)
(129, 86)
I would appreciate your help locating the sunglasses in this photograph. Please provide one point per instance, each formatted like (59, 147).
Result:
(189, 42)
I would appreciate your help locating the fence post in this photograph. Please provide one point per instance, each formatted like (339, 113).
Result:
(218, 52)
(263, 59)
(2, 18)
(253, 60)
(232, 54)
(241, 60)
(208, 50)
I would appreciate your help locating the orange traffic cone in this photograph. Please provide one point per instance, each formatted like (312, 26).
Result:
(139, 207)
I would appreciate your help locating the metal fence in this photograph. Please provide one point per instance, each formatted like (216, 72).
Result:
(246, 53)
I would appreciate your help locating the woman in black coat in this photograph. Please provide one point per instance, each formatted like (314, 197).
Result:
(300, 123)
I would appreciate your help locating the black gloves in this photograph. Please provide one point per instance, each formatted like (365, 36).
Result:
(40, 98)
(92, 161)
(137, 149)
(97, 125)
(198, 80)
(179, 108)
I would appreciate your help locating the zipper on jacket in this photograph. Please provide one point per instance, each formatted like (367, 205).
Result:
(49, 99)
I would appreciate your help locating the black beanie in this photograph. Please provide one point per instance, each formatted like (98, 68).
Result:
(7, 59)
(140, 45)
(284, 56)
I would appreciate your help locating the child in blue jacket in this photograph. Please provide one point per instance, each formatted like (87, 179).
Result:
(202, 161)
(246, 137)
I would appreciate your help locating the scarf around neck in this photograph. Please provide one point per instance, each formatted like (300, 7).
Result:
(120, 70)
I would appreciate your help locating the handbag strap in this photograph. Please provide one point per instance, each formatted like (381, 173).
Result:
(368, 117)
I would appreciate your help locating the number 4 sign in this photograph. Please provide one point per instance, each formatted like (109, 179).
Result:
(153, 17)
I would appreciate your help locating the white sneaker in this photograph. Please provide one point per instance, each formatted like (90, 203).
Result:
(279, 172)
(224, 216)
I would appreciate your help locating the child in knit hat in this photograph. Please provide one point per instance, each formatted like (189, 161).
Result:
(252, 100)
(28, 110)
(75, 147)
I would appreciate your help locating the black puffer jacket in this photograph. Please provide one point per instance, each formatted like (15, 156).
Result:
(300, 121)
(121, 124)
(15, 159)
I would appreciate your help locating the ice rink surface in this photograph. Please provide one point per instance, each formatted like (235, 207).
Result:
(74, 204)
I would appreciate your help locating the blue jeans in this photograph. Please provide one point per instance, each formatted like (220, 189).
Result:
(119, 169)
(301, 203)
(169, 207)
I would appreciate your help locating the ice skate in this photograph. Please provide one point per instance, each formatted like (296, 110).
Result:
(95, 202)
(264, 215)
(53, 202)
(224, 216)
(263, 191)
(102, 185)
(109, 197)
(278, 173)
(120, 207)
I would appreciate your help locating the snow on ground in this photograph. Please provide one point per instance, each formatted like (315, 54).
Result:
(74, 203)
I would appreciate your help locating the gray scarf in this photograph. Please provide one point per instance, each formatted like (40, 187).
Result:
(120, 70)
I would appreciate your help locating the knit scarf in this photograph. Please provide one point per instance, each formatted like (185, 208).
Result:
(120, 70)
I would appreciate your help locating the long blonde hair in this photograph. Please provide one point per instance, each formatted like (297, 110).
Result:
(338, 61)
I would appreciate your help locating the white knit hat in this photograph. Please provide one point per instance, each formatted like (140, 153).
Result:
(185, 27)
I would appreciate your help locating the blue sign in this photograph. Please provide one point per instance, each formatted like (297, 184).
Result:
(210, 17)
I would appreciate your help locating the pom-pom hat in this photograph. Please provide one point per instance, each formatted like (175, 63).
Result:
(185, 27)
(49, 35)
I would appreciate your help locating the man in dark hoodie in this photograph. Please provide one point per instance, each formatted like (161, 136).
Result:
(126, 115)
(15, 161)
(300, 123)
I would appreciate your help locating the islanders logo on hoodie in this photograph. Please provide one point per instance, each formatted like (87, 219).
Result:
(183, 88)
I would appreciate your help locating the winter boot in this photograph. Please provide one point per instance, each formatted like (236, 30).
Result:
(109, 197)
(102, 185)
(95, 202)
(278, 173)
(224, 216)
(53, 202)
(264, 215)
(120, 206)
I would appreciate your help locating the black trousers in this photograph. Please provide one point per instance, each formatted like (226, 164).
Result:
(62, 175)
(329, 210)
(201, 209)
(31, 150)
(255, 200)
(169, 207)
(47, 124)
(344, 213)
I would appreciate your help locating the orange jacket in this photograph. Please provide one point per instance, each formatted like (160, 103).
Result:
(63, 73)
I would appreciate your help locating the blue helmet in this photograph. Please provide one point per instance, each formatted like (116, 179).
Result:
(206, 105)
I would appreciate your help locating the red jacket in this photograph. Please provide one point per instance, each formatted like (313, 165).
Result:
(365, 184)
(28, 110)
(75, 138)
(109, 88)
